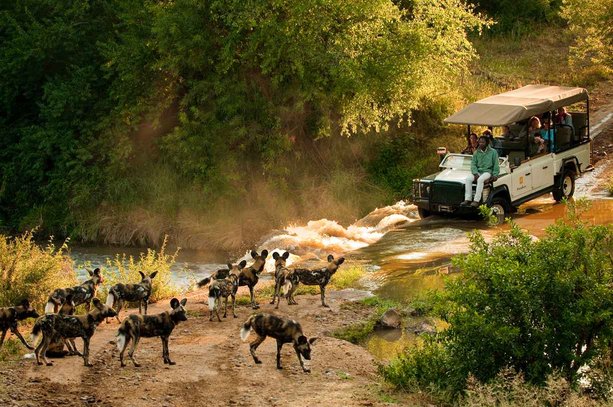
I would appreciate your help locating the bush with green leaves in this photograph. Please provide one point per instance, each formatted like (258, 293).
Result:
(535, 306)
(32, 271)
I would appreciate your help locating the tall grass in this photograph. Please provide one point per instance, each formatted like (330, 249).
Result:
(32, 271)
(125, 269)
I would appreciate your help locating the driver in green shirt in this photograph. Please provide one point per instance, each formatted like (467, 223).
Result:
(484, 165)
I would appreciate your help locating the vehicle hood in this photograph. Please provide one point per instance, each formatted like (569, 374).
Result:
(452, 175)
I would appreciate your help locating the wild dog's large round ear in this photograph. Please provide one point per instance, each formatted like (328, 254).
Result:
(242, 264)
(285, 255)
(91, 273)
(230, 267)
(184, 301)
(312, 340)
(340, 261)
(275, 255)
(97, 271)
(152, 275)
(254, 254)
(25, 303)
(264, 253)
(301, 339)
(174, 303)
(330, 258)
(142, 275)
(97, 303)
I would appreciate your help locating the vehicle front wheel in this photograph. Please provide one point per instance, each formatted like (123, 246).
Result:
(423, 213)
(565, 187)
(501, 208)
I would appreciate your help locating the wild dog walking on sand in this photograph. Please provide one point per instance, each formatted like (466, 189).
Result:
(148, 326)
(249, 276)
(283, 330)
(81, 294)
(282, 278)
(69, 327)
(120, 293)
(320, 277)
(9, 316)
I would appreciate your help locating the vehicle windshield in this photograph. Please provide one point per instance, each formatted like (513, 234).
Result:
(456, 162)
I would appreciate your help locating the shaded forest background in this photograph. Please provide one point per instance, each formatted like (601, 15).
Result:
(214, 122)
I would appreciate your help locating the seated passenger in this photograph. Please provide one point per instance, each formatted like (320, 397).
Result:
(541, 144)
(534, 125)
(547, 135)
(563, 117)
(484, 165)
(506, 133)
(472, 144)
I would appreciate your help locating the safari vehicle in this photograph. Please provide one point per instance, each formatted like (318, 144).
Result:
(524, 175)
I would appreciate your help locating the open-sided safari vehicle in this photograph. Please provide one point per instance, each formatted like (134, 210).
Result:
(524, 174)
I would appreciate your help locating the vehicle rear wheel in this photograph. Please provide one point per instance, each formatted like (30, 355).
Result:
(501, 208)
(565, 187)
(423, 213)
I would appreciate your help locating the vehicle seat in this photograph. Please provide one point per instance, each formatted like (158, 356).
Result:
(580, 125)
(564, 134)
(516, 157)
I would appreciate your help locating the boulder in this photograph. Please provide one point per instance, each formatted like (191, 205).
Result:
(391, 319)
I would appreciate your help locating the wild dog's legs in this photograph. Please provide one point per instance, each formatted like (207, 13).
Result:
(145, 304)
(38, 349)
(323, 296)
(225, 307)
(132, 349)
(44, 345)
(119, 303)
(2, 338)
(279, 346)
(72, 347)
(16, 332)
(165, 351)
(290, 293)
(233, 304)
(275, 291)
(217, 306)
(87, 306)
(140, 306)
(253, 303)
(86, 352)
(304, 369)
(254, 345)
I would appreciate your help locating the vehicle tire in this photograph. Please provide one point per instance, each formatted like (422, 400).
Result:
(565, 187)
(424, 213)
(501, 208)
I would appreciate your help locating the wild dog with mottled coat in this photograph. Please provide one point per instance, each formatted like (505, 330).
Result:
(135, 327)
(9, 316)
(320, 277)
(56, 347)
(282, 278)
(120, 293)
(69, 327)
(81, 294)
(224, 288)
(283, 330)
(249, 276)
(218, 275)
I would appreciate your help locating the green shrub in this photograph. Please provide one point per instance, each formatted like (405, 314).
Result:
(537, 307)
(32, 271)
(127, 272)
(347, 277)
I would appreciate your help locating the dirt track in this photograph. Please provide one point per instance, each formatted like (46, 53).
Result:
(213, 366)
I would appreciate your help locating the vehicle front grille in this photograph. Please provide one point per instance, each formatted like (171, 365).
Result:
(446, 193)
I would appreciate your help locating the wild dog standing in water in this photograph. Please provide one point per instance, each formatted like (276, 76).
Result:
(320, 277)
(9, 316)
(69, 327)
(283, 330)
(148, 326)
(249, 276)
(121, 293)
(224, 288)
(81, 294)
(282, 277)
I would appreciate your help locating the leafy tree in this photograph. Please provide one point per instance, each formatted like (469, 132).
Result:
(518, 15)
(537, 307)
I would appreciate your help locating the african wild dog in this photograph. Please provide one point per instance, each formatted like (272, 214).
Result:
(249, 276)
(148, 326)
(283, 330)
(218, 275)
(224, 288)
(9, 317)
(120, 293)
(69, 327)
(320, 277)
(56, 347)
(81, 294)
(282, 277)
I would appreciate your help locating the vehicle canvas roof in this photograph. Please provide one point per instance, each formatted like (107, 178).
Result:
(516, 105)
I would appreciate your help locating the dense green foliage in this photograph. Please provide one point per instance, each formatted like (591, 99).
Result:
(519, 16)
(537, 307)
(106, 103)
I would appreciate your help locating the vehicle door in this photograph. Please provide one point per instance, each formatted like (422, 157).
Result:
(521, 181)
(542, 172)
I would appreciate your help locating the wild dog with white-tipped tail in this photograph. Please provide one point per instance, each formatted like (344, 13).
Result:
(283, 330)
(135, 327)
(81, 294)
(120, 293)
